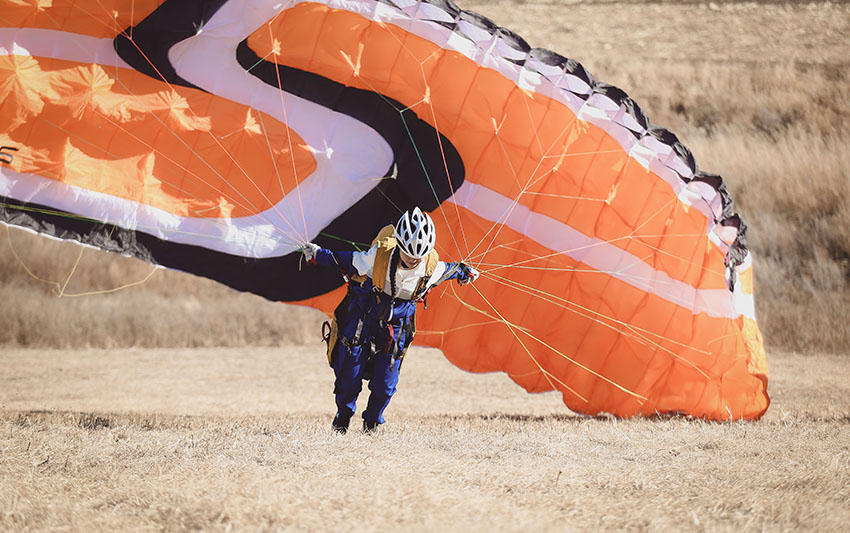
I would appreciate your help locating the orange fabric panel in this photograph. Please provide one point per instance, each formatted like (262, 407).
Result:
(754, 342)
(96, 18)
(182, 150)
(325, 303)
(745, 280)
(510, 140)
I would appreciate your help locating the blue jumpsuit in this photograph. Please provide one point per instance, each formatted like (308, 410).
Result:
(368, 311)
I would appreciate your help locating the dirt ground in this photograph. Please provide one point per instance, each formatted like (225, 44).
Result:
(220, 439)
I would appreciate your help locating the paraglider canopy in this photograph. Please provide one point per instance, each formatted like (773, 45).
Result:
(218, 136)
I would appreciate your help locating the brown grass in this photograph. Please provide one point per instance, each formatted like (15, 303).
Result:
(167, 309)
(769, 114)
(240, 439)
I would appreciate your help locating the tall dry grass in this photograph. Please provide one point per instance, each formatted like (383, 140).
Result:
(759, 91)
(60, 295)
(799, 219)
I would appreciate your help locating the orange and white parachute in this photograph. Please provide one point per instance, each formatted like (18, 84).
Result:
(218, 136)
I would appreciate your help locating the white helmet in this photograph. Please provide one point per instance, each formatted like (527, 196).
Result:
(415, 233)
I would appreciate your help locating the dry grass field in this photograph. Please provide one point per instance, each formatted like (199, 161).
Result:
(220, 439)
(173, 403)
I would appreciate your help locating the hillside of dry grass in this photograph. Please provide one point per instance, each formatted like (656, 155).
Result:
(759, 91)
(221, 439)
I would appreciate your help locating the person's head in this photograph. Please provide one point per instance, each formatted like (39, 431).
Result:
(415, 236)
(408, 262)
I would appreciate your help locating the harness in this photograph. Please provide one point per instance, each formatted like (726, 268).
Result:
(386, 244)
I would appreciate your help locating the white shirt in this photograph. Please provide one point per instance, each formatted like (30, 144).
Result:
(405, 280)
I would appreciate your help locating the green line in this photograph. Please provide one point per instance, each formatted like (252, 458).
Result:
(50, 212)
(255, 64)
(425, 170)
(353, 243)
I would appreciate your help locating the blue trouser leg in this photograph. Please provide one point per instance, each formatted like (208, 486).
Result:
(384, 378)
(382, 387)
(349, 375)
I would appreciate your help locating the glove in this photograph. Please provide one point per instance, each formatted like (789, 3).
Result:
(471, 274)
(310, 250)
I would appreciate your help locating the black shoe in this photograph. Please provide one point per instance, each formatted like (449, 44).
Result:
(340, 425)
(370, 427)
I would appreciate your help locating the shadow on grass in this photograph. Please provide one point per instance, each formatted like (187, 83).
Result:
(575, 417)
(513, 417)
(93, 421)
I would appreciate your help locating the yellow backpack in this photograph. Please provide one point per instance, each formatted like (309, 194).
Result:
(386, 244)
